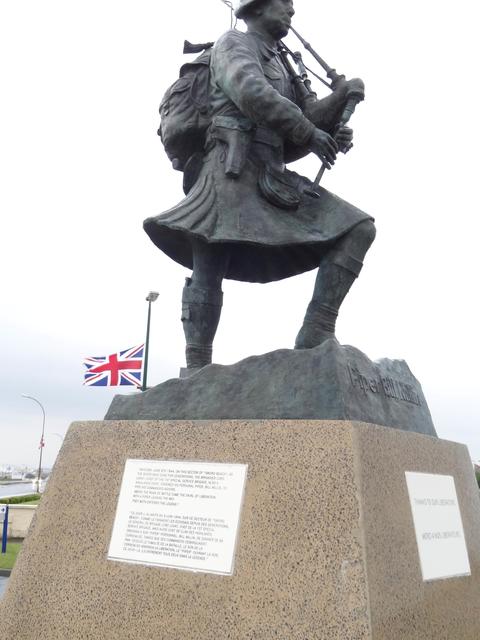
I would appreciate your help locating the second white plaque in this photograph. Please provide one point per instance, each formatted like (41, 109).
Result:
(438, 526)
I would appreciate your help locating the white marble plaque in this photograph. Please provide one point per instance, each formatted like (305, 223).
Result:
(438, 526)
(179, 514)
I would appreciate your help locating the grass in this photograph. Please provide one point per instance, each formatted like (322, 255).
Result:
(33, 498)
(7, 560)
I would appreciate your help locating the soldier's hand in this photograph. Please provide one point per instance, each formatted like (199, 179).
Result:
(344, 137)
(324, 146)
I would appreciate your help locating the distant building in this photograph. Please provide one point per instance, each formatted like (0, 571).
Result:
(8, 472)
(5, 470)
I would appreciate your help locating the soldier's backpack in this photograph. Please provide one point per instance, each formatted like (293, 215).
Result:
(184, 113)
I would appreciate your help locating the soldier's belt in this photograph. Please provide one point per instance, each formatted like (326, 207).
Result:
(260, 133)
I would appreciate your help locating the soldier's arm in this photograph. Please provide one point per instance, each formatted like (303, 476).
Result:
(324, 113)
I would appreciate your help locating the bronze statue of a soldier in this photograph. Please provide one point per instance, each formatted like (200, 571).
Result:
(245, 216)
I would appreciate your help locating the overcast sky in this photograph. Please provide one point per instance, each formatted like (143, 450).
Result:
(81, 166)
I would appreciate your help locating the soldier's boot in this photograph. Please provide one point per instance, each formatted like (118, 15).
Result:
(201, 309)
(336, 274)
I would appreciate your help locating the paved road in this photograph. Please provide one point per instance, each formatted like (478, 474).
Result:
(3, 585)
(17, 489)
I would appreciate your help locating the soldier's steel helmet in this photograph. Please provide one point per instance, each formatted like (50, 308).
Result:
(241, 5)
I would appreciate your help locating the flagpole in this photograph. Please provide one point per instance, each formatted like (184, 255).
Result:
(152, 296)
(42, 441)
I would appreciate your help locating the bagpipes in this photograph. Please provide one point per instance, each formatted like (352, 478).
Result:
(305, 91)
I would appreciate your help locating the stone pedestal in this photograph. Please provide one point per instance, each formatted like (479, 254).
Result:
(326, 548)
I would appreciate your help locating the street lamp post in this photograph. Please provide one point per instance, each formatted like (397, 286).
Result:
(41, 440)
(152, 296)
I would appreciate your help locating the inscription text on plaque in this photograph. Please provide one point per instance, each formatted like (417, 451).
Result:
(179, 514)
(438, 526)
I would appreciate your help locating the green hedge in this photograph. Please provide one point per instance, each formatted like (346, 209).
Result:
(478, 477)
(20, 499)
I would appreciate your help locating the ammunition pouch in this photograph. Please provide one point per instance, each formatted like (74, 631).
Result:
(237, 135)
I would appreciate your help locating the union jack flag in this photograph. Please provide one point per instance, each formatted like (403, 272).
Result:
(117, 370)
